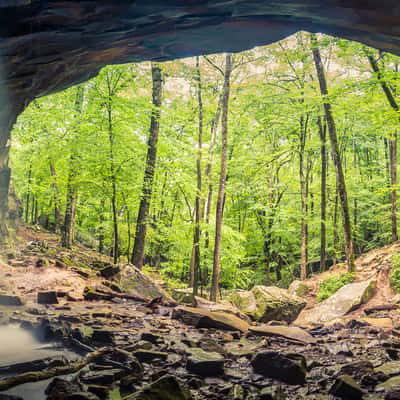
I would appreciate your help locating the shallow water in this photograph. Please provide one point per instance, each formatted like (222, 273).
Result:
(19, 345)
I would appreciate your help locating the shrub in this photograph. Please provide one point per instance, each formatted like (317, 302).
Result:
(395, 273)
(331, 285)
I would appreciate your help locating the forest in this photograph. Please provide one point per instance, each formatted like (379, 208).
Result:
(220, 171)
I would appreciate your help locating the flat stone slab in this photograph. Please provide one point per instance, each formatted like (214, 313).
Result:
(288, 332)
(209, 319)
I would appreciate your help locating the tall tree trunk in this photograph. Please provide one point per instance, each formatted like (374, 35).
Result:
(222, 179)
(340, 181)
(56, 196)
(304, 200)
(199, 201)
(101, 228)
(144, 207)
(28, 194)
(393, 185)
(67, 236)
(324, 161)
(68, 228)
(115, 250)
(390, 96)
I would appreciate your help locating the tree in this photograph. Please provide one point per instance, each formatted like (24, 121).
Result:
(222, 179)
(67, 237)
(340, 180)
(144, 207)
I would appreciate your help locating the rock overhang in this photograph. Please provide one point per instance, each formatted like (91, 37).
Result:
(48, 45)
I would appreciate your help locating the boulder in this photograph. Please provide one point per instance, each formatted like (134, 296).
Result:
(390, 384)
(286, 368)
(205, 363)
(165, 388)
(346, 388)
(47, 298)
(342, 302)
(288, 332)
(267, 303)
(134, 282)
(208, 319)
(222, 306)
(8, 300)
(147, 356)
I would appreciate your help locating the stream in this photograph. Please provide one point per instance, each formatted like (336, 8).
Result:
(19, 345)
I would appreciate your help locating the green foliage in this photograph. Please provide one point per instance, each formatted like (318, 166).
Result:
(395, 273)
(331, 285)
(274, 91)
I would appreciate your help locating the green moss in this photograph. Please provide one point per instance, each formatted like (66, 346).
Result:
(331, 285)
(395, 273)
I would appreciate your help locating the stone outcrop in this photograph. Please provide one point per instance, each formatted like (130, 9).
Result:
(268, 303)
(343, 301)
(47, 46)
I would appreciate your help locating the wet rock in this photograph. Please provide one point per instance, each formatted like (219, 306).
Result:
(47, 297)
(346, 388)
(289, 332)
(207, 319)
(390, 368)
(165, 388)
(106, 378)
(204, 363)
(59, 388)
(390, 384)
(273, 364)
(148, 356)
(9, 300)
(356, 369)
(91, 294)
(81, 396)
(344, 300)
(104, 336)
(35, 365)
(272, 393)
(266, 303)
(393, 395)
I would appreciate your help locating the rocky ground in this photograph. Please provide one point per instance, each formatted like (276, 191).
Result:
(137, 343)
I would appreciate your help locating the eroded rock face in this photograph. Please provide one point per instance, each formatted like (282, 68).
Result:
(49, 45)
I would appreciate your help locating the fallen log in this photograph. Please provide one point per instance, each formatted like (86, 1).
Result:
(48, 373)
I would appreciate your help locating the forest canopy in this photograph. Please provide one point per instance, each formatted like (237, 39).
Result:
(221, 164)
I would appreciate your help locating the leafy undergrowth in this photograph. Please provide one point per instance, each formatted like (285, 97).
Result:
(331, 285)
(395, 273)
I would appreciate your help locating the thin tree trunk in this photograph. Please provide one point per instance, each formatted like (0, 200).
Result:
(28, 194)
(144, 207)
(392, 144)
(56, 196)
(222, 179)
(115, 250)
(341, 184)
(322, 251)
(199, 202)
(304, 201)
(101, 229)
(67, 237)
